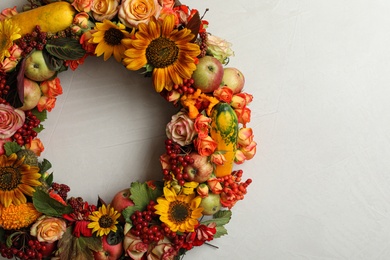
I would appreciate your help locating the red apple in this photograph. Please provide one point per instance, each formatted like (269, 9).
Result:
(36, 67)
(208, 74)
(211, 204)
(108, 252)
(32, 94)
(233, 79)
(48, 248)
(201, 170)
(121, 201)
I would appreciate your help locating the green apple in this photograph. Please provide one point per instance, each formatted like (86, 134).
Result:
(208, 74)
(211, 204)
(233, 79)
(36, 67)
(32, 94)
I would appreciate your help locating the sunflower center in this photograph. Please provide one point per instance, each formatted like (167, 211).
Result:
(162, 52)
(113, 36)
(10, 178)
(179, 211)
(105, 221)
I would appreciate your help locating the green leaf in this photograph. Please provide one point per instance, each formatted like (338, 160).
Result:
(221, 218)
(42, 116)
(44, 166)
(11, 147)
(65, 49)
(74, 248)
(49, 206)
(221, 231)
(39, 128)
(49, 179)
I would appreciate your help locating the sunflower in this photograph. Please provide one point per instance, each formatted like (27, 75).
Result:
(16, 180)
(164, 48)
(8, 34)
(111, 39)
(104, 220)
(179, 212)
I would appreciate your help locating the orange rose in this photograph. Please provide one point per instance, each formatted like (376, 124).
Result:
(51, 88)
(243, 115)
(36, 146)
(104, 9)
(133, 12)
(46, 103)
(202, 125)
(250, 150)
(218, 158)
(214, 185)
(205, 146)
(245, 136)
(224, 94)
(48, 229)
(82, 5)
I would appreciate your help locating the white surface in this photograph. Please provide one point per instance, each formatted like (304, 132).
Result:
(320, 74)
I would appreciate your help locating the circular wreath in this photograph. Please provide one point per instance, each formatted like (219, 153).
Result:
(155, 219)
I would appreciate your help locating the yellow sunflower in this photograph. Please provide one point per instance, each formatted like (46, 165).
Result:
(16, 180)
(8, 34)
(179, 212)
(111, 39)
(104, 220)
(166, 49)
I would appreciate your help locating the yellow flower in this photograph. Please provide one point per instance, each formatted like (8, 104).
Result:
(15, 217)
(179, 212)
(111, 39)
(8, 34)
(166, 49)
(104, 220)
(16, 180)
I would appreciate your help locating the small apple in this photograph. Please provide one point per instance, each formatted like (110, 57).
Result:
(233, 79)
(208, 74)
(121, 201)
(48, 248)
(108, 252)
(200, 170)
(36, 67)
(32, 94)
(211, 204)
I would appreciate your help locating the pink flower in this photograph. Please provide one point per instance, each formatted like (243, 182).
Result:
(46, 103)
(48, 229)
(239, 157)
(202, 125)
(133, 12)
(104, 9)
(181, 128)
(214, 185)
(245, 136)
(7, 13)
(11, 120)
(238, 101)
(224, 94)
(81, 22)
(250, 150)
(51, 88)
(162, 251)
(134, 246)
(10, 62)
(82, 5)
(205, 146)
(201, 234)
(164, 160)
(88, 46)
(218, 158)
(36, 146)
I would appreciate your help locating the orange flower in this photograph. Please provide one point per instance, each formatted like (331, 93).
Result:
(16, 217)
(197, 102)
(224, 94)
(205, 146)
(46, 103)
(51, 88)
(36, 146)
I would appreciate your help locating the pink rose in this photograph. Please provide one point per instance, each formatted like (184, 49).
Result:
(81, 22)
(133, 12)
(11, 120)
(250, 150)
(181, 128)
(10, 62)
(202, 125)
(239, 157)
(245, 136)
(219, 48)
(46, 103)
(224, 94)
(134, 247)
(36, 146)
(218, 158)
(51, 88)
(48, 229)
(205, 146)
(104, 9)
(82, 5)
(164, 160)
(7, 13)
(162, 251)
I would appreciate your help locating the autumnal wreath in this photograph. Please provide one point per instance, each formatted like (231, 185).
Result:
(157, 219)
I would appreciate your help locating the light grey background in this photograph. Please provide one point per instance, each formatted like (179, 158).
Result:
(320, 74)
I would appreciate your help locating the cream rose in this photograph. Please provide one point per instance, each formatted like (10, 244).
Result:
(11, 120)
(181, 129)
(48, 229)
(104, 9)
(219, 48)
(133, 12)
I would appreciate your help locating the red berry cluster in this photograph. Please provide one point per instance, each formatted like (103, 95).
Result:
(178, 160)
(81, 209)
(232, 184)
(203, 44)
(61, 189)
(186, 87)
(144, 226)
(176, 239)
(23, 247)
(4, 87)
(30, 41)
(26, 133)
